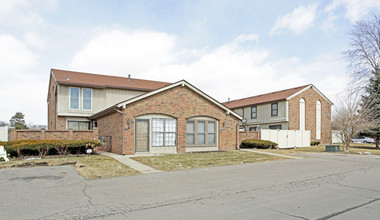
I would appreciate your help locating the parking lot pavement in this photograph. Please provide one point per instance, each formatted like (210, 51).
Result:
(325, 186)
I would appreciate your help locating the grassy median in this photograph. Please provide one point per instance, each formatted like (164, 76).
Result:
(93, 166)
(198, 160)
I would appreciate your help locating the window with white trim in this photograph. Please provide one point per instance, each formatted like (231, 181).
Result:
(201, 132)
(254, 112)
(302, 114)
(78, 125)
(318, 129)
(74, 98)
(164, 132)
(87, 99)
(274, 109)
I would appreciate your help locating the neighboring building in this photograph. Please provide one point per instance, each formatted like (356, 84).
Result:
(140, 115)
(74, 96)
(300, 108)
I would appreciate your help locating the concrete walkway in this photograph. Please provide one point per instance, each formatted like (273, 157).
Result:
(278, 155)
(131, 163)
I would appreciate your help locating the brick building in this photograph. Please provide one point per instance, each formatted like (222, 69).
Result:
(134, 115)
(300, 108)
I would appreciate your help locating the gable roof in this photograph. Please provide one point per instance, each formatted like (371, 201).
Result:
(179, 83)
(264, 98)
(66, 77)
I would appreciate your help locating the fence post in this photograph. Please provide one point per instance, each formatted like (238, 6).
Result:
(43, 134)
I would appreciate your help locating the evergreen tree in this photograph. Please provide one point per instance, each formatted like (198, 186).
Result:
(373, 97)
(17, 121)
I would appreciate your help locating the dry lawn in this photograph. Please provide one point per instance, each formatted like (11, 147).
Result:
(198, 160)
(354, 149)
(94, 166)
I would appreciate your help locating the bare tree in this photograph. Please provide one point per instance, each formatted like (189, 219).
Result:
(364, 52)
(3, 123)
(350, 116)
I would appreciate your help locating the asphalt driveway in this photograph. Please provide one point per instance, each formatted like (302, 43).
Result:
(326, 186)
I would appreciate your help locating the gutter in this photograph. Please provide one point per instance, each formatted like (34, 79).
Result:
(123, 116)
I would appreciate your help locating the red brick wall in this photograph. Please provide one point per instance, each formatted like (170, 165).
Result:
(248, 135)
(311, 97)
(60, 123)
(52, 134)
(111, 125)
(179, 102)
(52, 105)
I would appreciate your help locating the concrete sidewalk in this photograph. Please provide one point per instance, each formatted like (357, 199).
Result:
(278, 155)
(131, 163)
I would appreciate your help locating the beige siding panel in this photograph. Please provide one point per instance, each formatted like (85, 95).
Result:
(264, 113)
(101, 99)
(114, 96)
(163, 150)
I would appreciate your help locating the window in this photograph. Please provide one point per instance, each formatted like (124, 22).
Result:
(78, 125)
(164, 131)
(253, 129)
(275, 127)
(302, 114)
(74, 98)
(95, 124)
(87, 99)
(200, 132)
(318, 120)
(274, 109)
(254, 112)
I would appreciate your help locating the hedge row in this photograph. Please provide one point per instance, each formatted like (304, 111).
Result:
(257, 143)
(48, 147)
(315, 143)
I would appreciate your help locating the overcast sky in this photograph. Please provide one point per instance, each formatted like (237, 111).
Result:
(227, 49)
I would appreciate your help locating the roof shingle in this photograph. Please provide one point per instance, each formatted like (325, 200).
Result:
(268, 97)
(104, 81)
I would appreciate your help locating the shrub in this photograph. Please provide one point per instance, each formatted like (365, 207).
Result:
(257, 143)
(315, 143)
(45, 147)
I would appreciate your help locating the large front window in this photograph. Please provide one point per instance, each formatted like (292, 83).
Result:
(87, 96)
(74, 98)
(200, 132)
(164, 132)
(78, 125)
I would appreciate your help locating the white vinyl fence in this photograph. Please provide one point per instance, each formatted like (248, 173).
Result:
(4, 133)
(287, 138)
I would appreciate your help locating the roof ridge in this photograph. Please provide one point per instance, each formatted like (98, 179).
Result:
(98, 74)
(269, 93)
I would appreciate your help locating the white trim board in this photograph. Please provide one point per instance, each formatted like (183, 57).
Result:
(180, 83)
(308, 87)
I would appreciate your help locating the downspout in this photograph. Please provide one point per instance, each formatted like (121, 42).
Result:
(237, 136)
(123, 115)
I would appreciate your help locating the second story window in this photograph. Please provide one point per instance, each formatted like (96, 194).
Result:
(74, 98)
(254, 112)
(274, 109)
(87, 99)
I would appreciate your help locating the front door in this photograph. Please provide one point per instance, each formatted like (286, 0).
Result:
(142, 135)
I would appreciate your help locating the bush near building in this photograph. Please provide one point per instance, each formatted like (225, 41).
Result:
(257, 143)
(21, 148)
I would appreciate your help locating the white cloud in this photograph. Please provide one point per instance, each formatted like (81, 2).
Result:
(355, 9)
(24, 12)
(125, 51)
(234, 69)
(20, 90)
(298, 21)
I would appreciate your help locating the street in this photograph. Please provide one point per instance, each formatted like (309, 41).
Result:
(324, 186)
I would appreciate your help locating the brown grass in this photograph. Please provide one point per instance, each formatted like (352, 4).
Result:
(94, 166)
(198, 160)
(355, 148)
